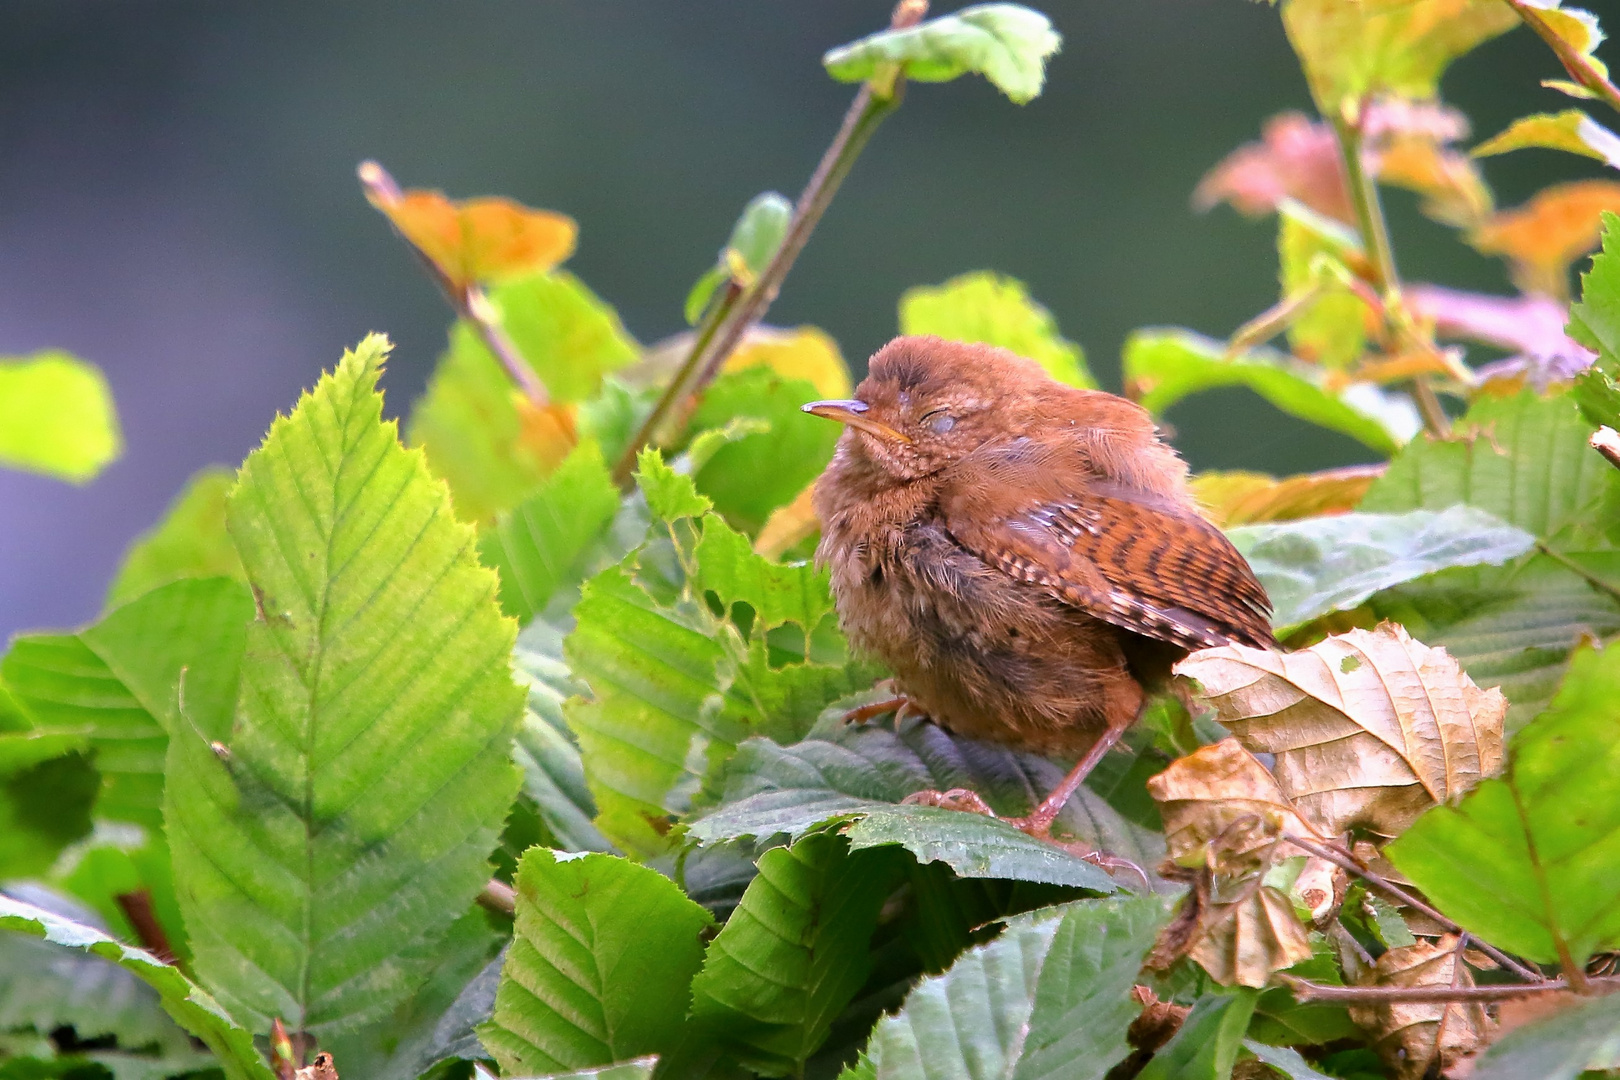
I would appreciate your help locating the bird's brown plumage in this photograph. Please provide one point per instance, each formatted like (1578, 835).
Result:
(1023, 555)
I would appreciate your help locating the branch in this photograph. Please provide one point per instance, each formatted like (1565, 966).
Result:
(137, 908)
(469, 302)
(1375, 235)
(1580, 571)
(498, 897)
(708, 356)
(1579, 67)
(1401, 896)
(1606, 441)
(1305, 991)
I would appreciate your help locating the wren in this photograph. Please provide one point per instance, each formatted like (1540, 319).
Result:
(1024, 555)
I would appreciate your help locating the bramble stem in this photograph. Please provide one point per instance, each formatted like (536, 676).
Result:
(864, 114)
(1401, 896)
(469, 301)
(1375, 235)
(1579, 67)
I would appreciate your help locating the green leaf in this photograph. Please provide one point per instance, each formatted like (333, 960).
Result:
(989, 308)
(122, 683)
(1284, 1060)
(1528, 861)
(640, 1069)
(116, 861)
(749, 477)
(669, 495)
(1317, 565)
(187, 1003)
(1048, 998)
(47, 784)
(861, 774)
(1358, 51)
(553, 774)
(541, 544)
(1562, 1046)
(599, 967)
(190, 541)
(56, 416)
(345, 820)
(43, 987)
(794, 953)
(1332, 329)
(1006, 43)
(1167, 365)
(1595, 321)
(1524, 459)
(1207, 1045)
(481, 436)
(754, 240)
(1570, 130)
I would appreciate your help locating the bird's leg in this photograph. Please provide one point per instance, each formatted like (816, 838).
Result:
(865, 713)
(1039, 823)
(954, 799)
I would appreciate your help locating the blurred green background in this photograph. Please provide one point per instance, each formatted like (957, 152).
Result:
(178, 202)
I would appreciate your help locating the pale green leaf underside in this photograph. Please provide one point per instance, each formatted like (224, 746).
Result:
(193, 1009)
(367, 774)
(1006, 43)
(1168, 365)
(1318, 565)
(599, 966)
(1048, 998)
(56, 416)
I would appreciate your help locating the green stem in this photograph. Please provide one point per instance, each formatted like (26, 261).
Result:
(1375, 235)
(1579, 67)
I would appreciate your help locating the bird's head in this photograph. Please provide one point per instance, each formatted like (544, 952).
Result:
(927, 402)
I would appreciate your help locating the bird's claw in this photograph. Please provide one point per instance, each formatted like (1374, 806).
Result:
(954, 799)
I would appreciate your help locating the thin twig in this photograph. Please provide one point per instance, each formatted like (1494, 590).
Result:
(498, 897)
(1579, 67)
(1401, 896)
(1305, 991)
(469, 301)
(862, 118)
(137, 908)
(1575, 567)
(1375, 235)
(1606, 441)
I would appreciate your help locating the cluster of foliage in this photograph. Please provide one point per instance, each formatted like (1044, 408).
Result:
(520, 746)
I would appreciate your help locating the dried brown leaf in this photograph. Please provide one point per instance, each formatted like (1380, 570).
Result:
(1223, 809)
(1243, 942)
(1409, 1035)
(1369, 727)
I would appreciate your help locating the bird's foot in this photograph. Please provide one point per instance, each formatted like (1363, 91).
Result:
(900, 705)
(954, 799)
(1039, 826)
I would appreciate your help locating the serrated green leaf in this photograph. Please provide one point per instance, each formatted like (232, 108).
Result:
(1595, 321)
(1317, 565)
(492, 446)
(1571, 130)
(553, 774)
(346, 820)
(1167, 365)
(861, 774)
(989, 308)
(748, 477)
(1006, 43)
(794, 952)
(188, 1004)
(669, 495)
(1359, 51)
(1562, 1046)
(189, 541)
(123, 681)
(56, 416)
(599, 967)
(1207, 1045)
(1048, 998)
(47, 785)
(541, 544)
(1524, 459)
(640, 1069)
(1514, 862)
(1284, 1060)
(121, 860)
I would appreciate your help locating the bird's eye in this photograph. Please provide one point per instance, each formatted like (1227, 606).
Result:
(939, 421)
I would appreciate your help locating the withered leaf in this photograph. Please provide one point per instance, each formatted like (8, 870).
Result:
(1241, 943)
(1409, 1035)
(1220, 797)
(1368, 727)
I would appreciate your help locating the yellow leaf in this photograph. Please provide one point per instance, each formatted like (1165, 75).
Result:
(1353, 50)
(1369, 727)
(1244, 498)
(1410, 1035)
(1453, 191)
(474, 240)
(1244, 942)
(992, 309)
(788, 525)
(1570, 130)
(806, 353)
(1544, 236)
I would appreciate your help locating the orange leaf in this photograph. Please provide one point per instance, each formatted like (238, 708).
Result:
(545, 432)
(1544, 236)
(474, 240)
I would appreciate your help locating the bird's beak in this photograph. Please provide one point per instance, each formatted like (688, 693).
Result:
(853, 413)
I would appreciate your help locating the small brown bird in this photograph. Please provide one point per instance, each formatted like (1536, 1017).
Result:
(1023, 555)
